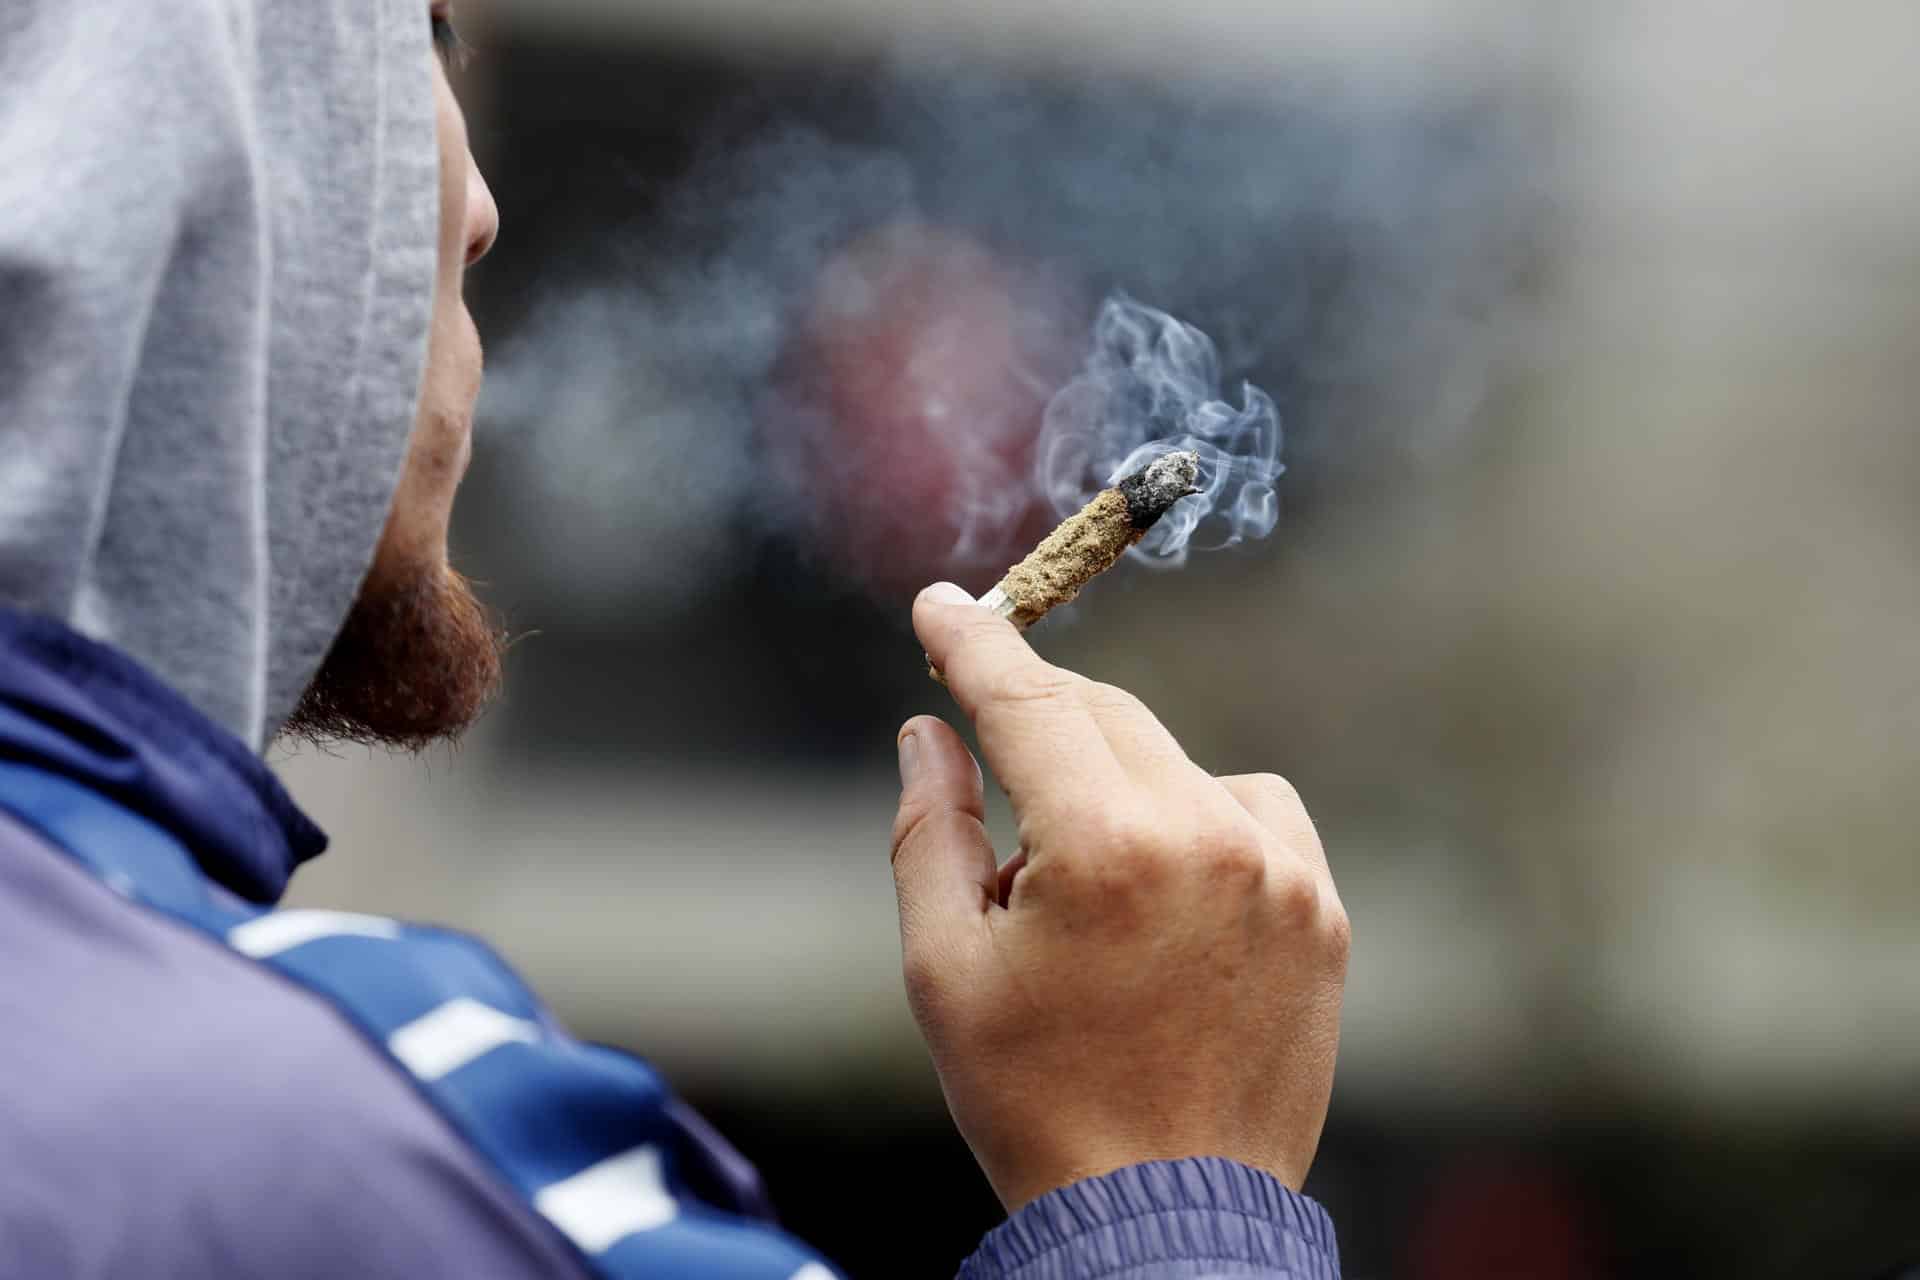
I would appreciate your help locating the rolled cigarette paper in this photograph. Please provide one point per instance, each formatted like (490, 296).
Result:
(1089, 542)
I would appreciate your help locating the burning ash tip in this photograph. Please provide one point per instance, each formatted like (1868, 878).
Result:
(1152, 491)
(1179, 470)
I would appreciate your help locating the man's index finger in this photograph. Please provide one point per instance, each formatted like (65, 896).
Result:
(1035, 730)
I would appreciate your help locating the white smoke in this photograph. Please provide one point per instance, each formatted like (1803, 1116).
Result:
(1152, 386)
(1352, 246)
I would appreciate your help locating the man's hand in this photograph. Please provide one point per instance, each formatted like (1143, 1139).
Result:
(1155, 974)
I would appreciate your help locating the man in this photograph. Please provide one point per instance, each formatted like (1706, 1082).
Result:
(223, 307)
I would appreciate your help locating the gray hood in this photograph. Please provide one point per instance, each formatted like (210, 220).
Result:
(217, 247)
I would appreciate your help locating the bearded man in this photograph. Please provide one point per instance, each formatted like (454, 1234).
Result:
(236, 386)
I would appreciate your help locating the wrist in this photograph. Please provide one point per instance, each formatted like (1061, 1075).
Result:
(1029, 1178)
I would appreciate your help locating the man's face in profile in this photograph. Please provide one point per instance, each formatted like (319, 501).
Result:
(418, 658)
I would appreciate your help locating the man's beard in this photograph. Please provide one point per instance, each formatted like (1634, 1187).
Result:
(417, 661)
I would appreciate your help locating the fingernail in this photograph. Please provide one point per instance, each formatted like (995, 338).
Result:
(946, 593)
(909, 758)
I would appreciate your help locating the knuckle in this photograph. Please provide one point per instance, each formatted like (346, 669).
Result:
(1121, 837)
(1097, 856)
(1337, 931)
(924, 988)
(1276, 788)
(1099, 831)
(922, 991)
(1296, 897)
(1029, 682)
(1107, 699)
(920, 975)
(946, 1012)
(911, 817)
(1230, 858)
(1309, 908)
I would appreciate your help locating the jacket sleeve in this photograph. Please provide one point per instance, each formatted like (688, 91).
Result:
(1168, 1220)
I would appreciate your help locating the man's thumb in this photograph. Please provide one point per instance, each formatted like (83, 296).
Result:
(943, 865)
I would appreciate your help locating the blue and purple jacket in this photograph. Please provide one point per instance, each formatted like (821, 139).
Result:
(195, 1084)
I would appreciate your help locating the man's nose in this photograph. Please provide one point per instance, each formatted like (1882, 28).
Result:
(483, 215)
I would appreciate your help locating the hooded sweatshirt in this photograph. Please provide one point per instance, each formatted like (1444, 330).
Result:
(217, 254)
(217, 250)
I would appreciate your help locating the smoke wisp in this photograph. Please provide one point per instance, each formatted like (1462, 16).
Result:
(1152, 386)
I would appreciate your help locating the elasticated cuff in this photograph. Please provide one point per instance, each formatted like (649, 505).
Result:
(1160, 1221)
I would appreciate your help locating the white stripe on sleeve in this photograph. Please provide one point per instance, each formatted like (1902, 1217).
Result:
(604, 1203)
(279, 931)
(454, 1034)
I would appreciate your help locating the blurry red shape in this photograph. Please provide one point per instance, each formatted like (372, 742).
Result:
(905, 412)
(1499, 1221)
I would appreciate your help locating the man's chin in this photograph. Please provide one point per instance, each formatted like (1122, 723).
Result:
(416, 662)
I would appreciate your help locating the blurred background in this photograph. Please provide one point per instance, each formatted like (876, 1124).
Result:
(1588, 629)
